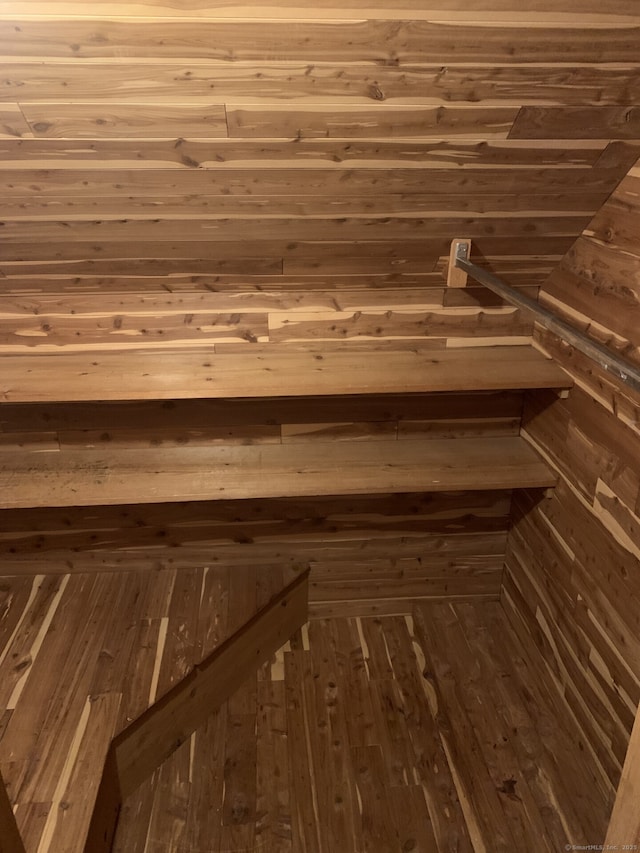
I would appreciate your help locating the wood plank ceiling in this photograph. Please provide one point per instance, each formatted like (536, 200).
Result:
(342, 145)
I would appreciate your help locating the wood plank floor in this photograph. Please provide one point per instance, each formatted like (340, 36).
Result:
(82, 656)
(399, 733)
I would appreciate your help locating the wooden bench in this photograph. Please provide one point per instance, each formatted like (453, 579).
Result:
(267, 371)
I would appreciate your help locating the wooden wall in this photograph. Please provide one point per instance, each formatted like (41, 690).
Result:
(274, 145)
(207, 174)
(572, 580)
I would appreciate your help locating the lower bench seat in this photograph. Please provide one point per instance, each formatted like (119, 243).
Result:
(99, 476)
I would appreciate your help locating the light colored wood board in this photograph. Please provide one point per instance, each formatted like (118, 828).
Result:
(121, 331)
(163, 375)
(95, 477)
(155, 735)
(211, 81)
(107, 304)
(101, 154)
(362, 40)
(63, 119)
(13, 123)
(353, 121)
(617, 11)
(343, 325)
(612, 122)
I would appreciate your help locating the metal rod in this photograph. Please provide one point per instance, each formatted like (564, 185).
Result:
(608, 360)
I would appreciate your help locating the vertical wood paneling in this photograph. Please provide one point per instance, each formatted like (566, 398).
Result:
(380, 737)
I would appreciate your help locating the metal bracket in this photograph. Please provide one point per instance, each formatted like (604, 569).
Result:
(460, 251)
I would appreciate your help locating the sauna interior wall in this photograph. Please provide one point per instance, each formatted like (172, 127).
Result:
(572, 580)
(227, 177)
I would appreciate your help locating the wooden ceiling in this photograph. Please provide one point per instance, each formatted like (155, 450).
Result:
(342, 144)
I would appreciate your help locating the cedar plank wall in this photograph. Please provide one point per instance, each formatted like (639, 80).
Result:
(572, 579)
(277, 175)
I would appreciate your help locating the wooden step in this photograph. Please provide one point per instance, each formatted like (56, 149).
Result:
(95, 476)
(265, 371)
(115, 671)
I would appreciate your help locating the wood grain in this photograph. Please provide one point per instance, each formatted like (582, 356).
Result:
(624, 827)
(101, 666)
(191, 374)
(353, 733)
(571, 580)
(89, 477)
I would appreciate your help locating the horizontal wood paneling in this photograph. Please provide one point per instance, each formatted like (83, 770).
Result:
(571, 584)
(125, 90)
(30, 81)
(372, 40)
(618, 11)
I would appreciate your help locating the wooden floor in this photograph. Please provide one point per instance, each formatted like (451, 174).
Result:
(424, 733)
(84, 655)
